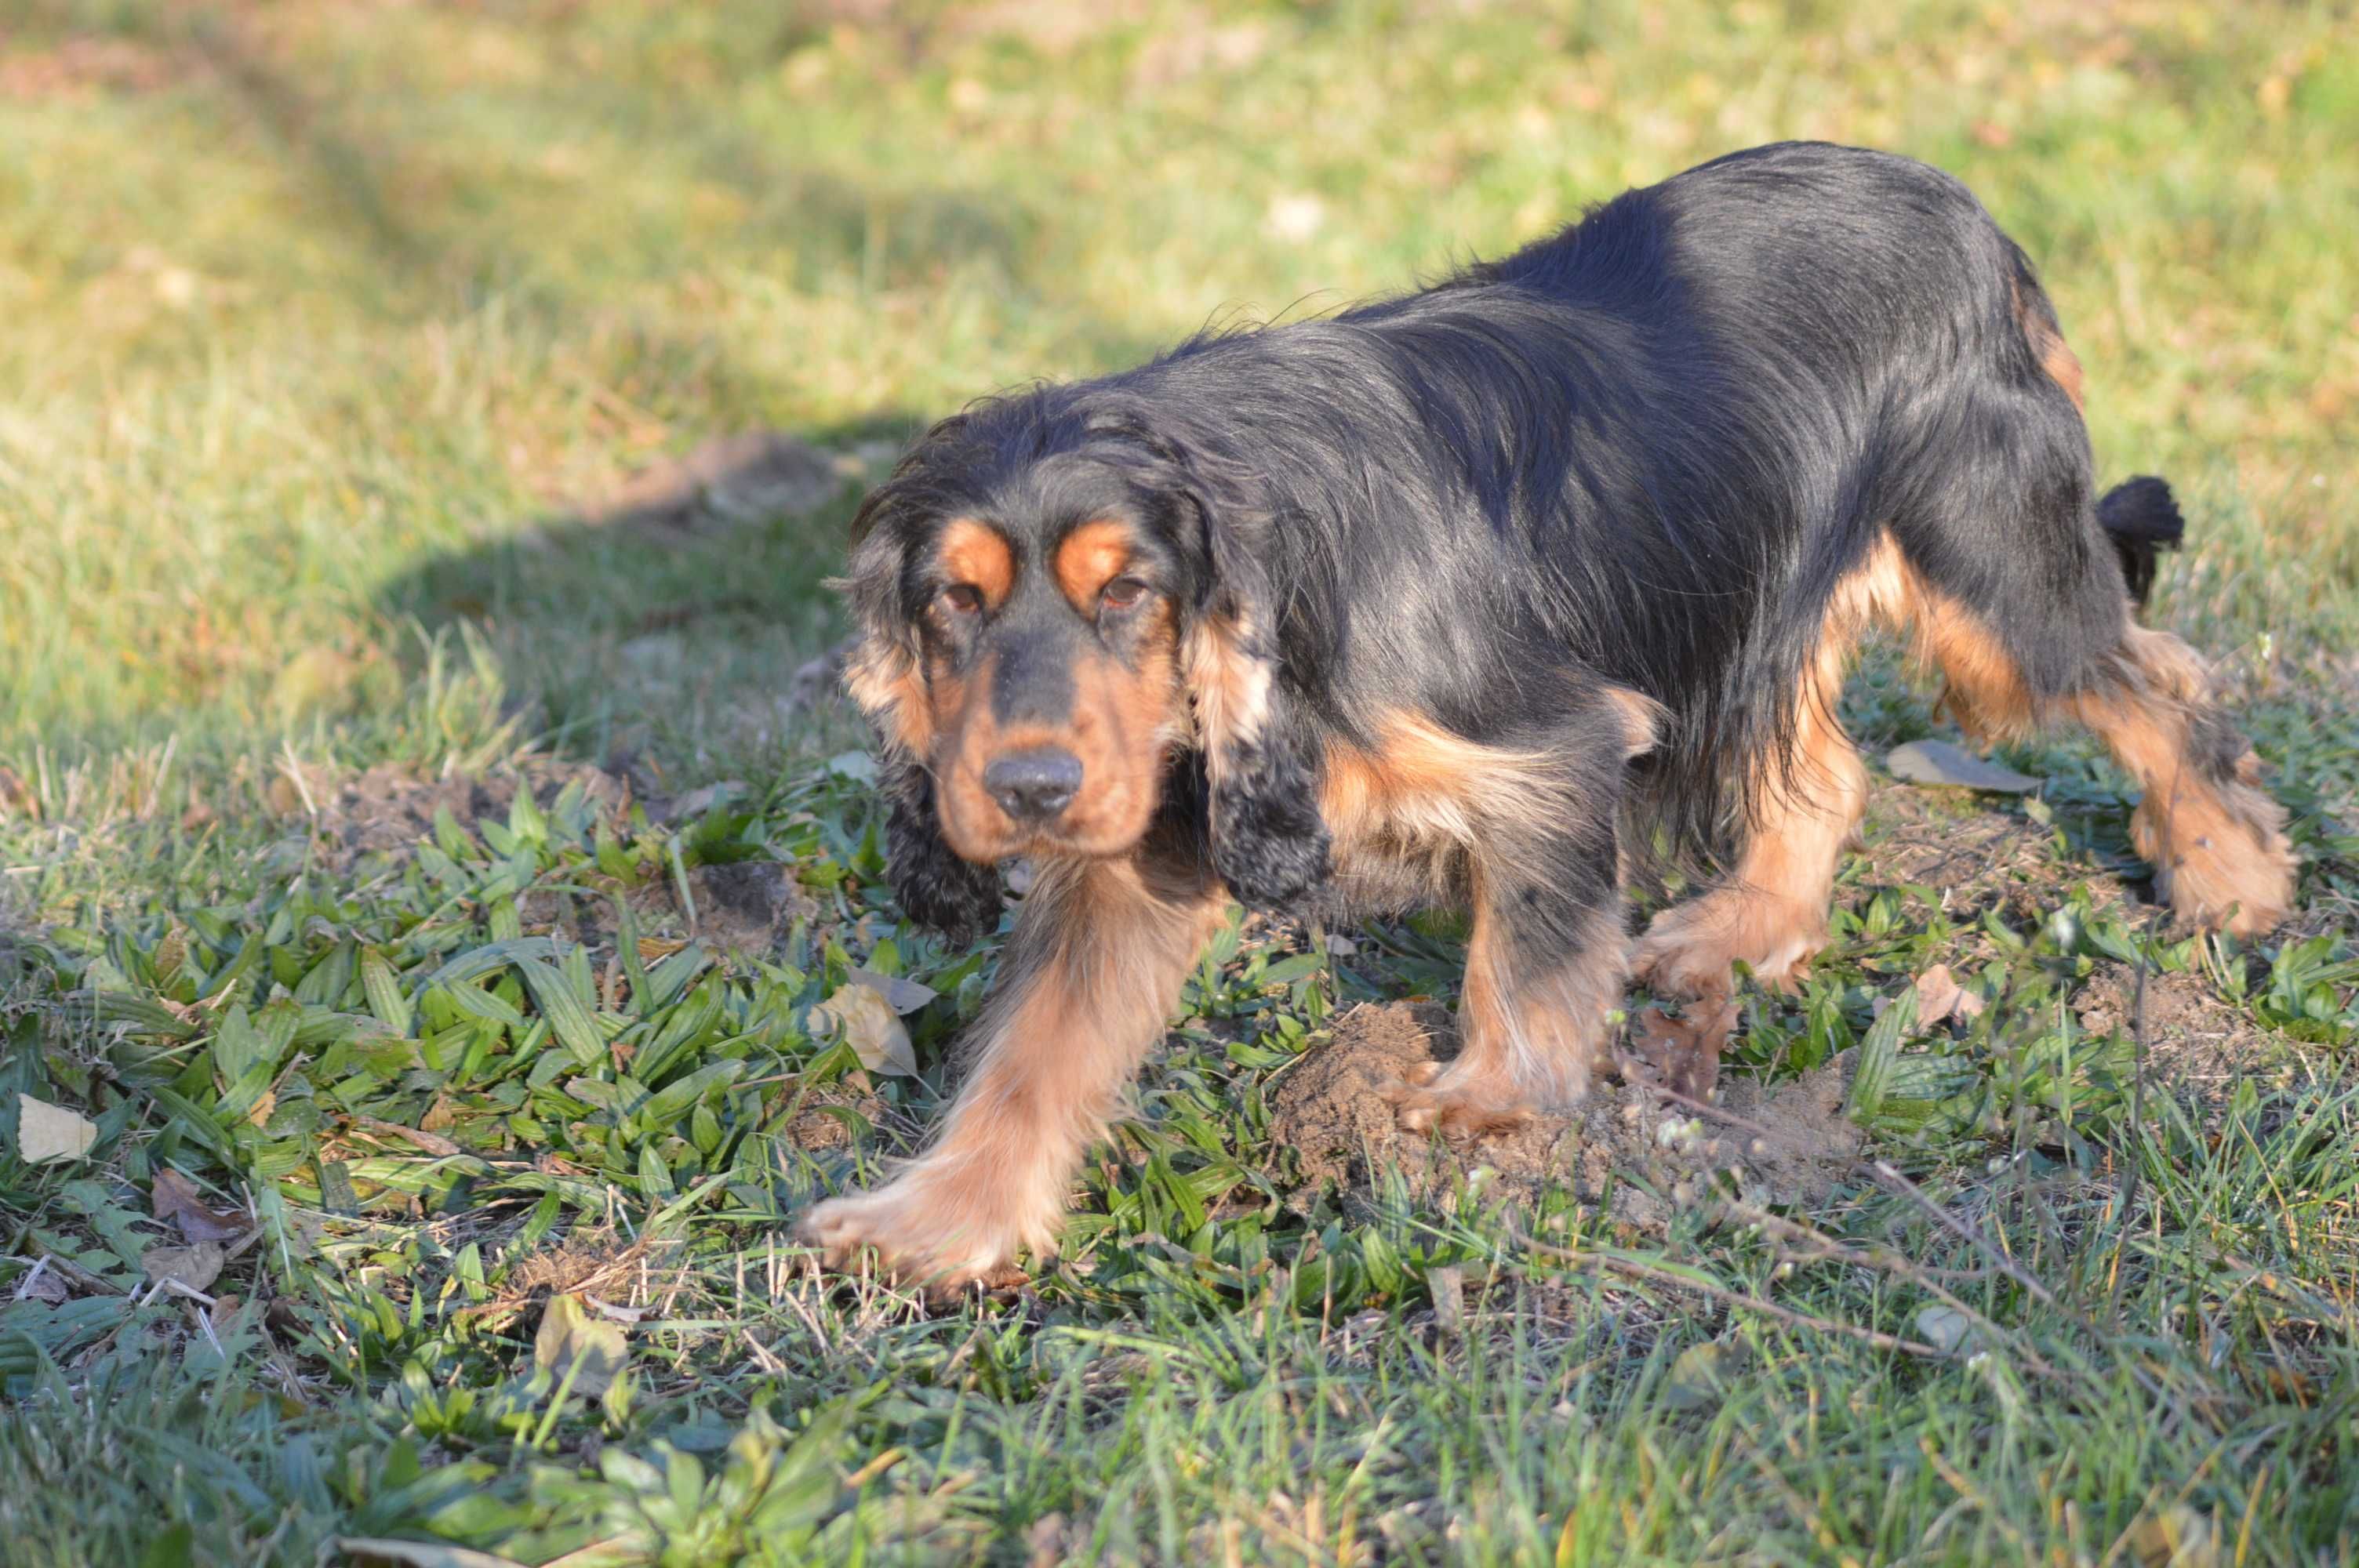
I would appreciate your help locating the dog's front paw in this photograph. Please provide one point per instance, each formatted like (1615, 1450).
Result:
(1691, 949)
(923, 1231)
(1457, 1103)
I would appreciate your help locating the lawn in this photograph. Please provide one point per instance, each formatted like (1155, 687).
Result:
(426, 844)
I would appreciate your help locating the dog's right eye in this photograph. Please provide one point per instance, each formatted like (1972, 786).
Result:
(962, 599)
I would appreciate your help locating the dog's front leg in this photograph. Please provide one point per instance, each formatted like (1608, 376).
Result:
(1091, 973)
(1543, 968)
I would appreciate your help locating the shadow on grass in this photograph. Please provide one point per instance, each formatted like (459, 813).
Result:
(669, 619)
(677, 619)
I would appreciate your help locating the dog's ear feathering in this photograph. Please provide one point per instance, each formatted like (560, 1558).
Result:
(1269, 843)
(934, 886)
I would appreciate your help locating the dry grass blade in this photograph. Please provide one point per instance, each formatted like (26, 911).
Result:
(1631, 1269)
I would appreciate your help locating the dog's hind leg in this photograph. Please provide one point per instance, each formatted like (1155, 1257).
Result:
(2022, 590)
(2217, 842)
(1769, 911)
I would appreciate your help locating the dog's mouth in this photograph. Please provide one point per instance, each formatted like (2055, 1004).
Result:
(999, 837)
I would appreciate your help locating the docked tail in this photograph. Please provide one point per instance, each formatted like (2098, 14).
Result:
(2141, 517)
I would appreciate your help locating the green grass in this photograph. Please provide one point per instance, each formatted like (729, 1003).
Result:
(326, 325)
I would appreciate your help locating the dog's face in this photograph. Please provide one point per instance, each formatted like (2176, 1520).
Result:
(1055, 604)
(1046, 653)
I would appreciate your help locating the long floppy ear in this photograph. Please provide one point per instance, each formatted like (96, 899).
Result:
(1268, 841)
(956, 897)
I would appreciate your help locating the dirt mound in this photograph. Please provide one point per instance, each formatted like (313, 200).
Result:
(1624, 1147)
(743, 906)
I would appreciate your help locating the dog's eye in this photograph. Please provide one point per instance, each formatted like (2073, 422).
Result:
(1123, 592)
(962, 599)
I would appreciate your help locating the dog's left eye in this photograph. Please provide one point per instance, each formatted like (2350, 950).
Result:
(1123, 592)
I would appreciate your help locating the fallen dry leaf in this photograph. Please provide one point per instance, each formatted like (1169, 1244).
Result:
(175, 1197)
(196, 1266)
(46, 1131)
(432, 1142)
(1446, 1285)
(2178, 1537)
(1940, 997)
(569, 1334)
(904, 995)
(1939, 764)
(1700, 1376)
(863, 1016)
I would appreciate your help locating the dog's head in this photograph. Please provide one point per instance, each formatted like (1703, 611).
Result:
(1056, 601)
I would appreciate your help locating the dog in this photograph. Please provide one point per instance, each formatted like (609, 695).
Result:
(1479, 596)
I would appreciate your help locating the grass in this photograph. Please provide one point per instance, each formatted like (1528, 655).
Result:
(330, 328)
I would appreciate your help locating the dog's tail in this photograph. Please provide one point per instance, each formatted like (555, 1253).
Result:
(2141, 517)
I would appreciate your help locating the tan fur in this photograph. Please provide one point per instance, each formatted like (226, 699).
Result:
(1091, 557)
(1770, 911)
(1421, 812)
(975, 553)
(2218, 850)
(1098, 953)
(2219, 847)
(1228, 689)
(1419, 804)
(1530, 1032)
(2056, 358)
(1642, 720)
(1124, 721)
(884, 679)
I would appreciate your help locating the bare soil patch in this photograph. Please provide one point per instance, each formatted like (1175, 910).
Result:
(1625, 1147)
(390, 811)
(1981, 858)
(2196, 1043)
(384, 815)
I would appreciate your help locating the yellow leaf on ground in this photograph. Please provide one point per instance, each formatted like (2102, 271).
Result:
(864, 1015)
(569, 1334)
(46, 1131)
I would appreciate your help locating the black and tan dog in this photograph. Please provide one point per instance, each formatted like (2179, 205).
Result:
(1468, 597)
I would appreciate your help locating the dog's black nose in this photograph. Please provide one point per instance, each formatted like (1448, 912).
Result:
(1033, 786)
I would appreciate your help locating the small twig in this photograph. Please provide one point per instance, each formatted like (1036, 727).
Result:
(25, 1286)
(1879, 1257)
(73, 1271)
(1631, 1269)
(764, 1357)
(1893, 1180)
